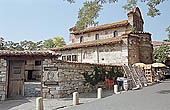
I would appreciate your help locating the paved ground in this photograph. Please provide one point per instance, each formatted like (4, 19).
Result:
(50, 104)
(156, 97)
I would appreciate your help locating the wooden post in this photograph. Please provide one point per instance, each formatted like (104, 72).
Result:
(39, 103)
(75, 98)
(99, 93)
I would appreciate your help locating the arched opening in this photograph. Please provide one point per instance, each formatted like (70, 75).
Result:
(81, 39)
(115, 33)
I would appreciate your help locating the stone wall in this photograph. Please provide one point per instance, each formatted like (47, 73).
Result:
(3, 66)
(133, 50)
(146, 48)
(61, 79)
(103, 34)
(104, 54)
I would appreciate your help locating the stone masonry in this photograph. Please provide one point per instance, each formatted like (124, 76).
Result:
(61, 78)
(3, 66)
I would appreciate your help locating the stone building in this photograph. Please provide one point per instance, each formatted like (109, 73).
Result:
(117, 43)
(57, 78)
(12, 72)
(32, 70)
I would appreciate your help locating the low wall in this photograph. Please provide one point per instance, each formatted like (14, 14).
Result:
(3, 66)
(61, 79)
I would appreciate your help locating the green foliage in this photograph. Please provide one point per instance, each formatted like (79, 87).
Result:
(91, 8)
(160, 55)
(52, 43)
(59, 41)
(133, 29)
(30, 45)
(10, 45)
(2, 43)
(130, 4)
(88, 14)
(152, 4)
(70, 1)
(99, 74)
(48, 44)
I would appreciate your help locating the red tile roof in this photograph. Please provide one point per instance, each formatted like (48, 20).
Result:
(158, 43)
(89, 44)
(8, 53)
(100, 27)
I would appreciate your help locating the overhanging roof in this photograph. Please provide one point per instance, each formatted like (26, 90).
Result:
(28, 54)
(100, 27)
(89, 44)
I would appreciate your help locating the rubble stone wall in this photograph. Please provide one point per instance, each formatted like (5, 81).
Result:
(61, 79)
(3, 66)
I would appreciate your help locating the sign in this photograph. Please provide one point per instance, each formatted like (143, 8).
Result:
(50, 68)
(51, 83)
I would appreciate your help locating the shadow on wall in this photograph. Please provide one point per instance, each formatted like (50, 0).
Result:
(9, 104)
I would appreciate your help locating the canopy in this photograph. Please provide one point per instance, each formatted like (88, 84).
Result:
(139, 64)
(158, 65)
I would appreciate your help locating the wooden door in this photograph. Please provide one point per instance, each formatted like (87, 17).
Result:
(16, 78)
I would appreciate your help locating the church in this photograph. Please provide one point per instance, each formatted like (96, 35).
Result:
(117, 43)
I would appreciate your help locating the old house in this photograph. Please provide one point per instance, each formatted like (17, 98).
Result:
(13, 67)
(117, 43)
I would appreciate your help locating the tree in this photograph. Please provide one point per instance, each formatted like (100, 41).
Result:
(10, 45)
(59, 41)
(30, 45)
(160, 55)
(2, 43)
(88, 14)
(91, 8)
(52, 43)
(48, 44)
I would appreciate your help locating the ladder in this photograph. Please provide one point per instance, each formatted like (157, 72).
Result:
(134, 73)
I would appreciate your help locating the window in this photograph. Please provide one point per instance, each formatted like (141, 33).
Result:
(37, 63)
(81, 39)
(69, 58)
(97, 37)
(25, 62)
(74, 57)
(64, 58)
(84, 55)
(115, 33)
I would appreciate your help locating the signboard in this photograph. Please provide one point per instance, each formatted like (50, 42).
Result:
(51, 83)
(50, 68)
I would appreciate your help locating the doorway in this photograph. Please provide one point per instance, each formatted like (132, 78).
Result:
(16, 78)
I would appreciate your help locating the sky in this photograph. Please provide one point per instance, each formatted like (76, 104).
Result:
(38, 20)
